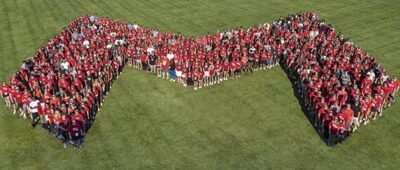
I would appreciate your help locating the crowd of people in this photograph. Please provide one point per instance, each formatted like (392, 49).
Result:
(341, 85)
(64, 84)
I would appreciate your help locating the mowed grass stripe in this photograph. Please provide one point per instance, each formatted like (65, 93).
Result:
(9, 42)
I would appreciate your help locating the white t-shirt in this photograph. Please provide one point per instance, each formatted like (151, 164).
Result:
(109, 46)
(170, 56)
(65, 65)
(33, 106)
(150, 50)
(85, 43)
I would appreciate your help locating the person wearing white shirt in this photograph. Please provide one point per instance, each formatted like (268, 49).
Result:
(86, 43)
(170, 55)
(150, 50)
(33, 109)
(135, 26)
(65, 65)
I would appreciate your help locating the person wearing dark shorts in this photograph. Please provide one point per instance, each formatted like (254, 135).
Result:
(33, 109)
(152, 63)
(76, 133)
(64, 130)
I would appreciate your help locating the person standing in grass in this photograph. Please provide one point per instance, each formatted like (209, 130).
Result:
(325, 124)
(64, 125)
(152, 61)
(178, 72)
(342, 130)
(165, 67)
(172, 71)
(76, 133)
(333, 130)
(33, 110)
(5, 93)
(138, 61)
(143, 60)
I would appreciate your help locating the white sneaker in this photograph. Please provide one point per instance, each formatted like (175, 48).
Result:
(195, 88)
(65, 146)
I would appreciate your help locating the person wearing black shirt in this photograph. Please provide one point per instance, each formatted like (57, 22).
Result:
(152, 63)
(172, 72)
(357, 112)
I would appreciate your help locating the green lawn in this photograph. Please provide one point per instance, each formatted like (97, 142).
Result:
(254, 122)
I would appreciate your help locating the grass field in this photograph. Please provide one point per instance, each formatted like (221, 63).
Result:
(254, 122)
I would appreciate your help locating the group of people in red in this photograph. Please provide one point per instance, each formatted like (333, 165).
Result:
(63, 86)
(340, 84)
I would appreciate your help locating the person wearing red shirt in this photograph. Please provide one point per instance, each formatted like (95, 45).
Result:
(366, 109)
(325, 123)
(164, 68)
(232, 68)
(64, 125)
(225, 69)
(342, 130)
(178, 71)
(207, 75)
(333, 130)
(195, 77)
(375, 106)
(19, 101)
(78, 117)
(264, 58)
(5, 93)
(189, 77)
(44, 111)
(270, 60)
(348, 114)
(396, 84)
(76, 133)
(26, 96)
(200, 78)
(245, 65)
(393, 88)
(239, 65)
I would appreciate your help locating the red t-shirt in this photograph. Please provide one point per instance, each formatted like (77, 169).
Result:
(78, 117)
(333, 127)
(164, 63)
(18, 96)
(5, 90)
(348, 115)
(342, 128)
(75, 130)
(232, 65)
